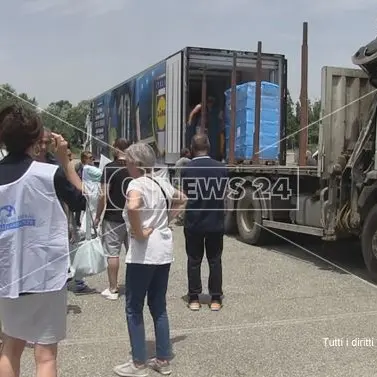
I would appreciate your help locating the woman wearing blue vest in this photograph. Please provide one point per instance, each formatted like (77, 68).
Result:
(34, 250)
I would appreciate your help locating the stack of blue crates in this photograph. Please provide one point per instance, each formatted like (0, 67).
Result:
(245, 121)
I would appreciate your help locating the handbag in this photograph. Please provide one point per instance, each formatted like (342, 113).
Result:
(89, 258)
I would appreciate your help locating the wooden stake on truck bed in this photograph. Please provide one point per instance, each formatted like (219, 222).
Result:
(303, 140)
(232, 133)
(258, 95)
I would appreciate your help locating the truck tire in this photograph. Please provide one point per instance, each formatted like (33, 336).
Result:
(249, 218)
(369, 242)
(230, 222)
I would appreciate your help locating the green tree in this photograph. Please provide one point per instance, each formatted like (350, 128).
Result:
(292, 124)
(64, 118)
(9, 96)
(314, 117)
(77, 118)
(294, 120)
(55, 118)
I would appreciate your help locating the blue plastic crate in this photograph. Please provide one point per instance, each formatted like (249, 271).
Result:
(245, 121)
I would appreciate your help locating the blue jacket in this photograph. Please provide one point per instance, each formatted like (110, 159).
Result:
(205, 183)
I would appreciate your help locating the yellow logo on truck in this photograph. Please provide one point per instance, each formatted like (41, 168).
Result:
(161, 113)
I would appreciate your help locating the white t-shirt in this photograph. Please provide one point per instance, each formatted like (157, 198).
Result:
(158, 248)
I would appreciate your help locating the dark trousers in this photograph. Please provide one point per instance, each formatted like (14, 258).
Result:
(149, 281)
(196, 242)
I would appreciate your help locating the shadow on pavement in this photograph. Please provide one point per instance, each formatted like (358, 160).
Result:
(151, 346)
(345, 254)
(122, 290)
(74, 309)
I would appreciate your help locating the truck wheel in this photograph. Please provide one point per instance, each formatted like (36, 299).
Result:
(230, 222)
(249, 218)
(369, 242)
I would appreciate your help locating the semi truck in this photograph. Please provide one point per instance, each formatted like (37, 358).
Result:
(333, 200)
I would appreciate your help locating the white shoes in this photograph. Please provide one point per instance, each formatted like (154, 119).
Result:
(110, 295)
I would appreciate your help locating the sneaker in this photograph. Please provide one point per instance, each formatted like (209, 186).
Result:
(162, 367)
(80, 284)
(110, 295)
(80, 288)
(130, 370)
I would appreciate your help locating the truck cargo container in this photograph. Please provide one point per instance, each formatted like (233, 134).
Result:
(153, 106)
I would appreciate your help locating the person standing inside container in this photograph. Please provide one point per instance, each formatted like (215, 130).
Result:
(214, 126)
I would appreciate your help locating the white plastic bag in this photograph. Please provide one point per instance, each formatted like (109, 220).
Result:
(89, 258)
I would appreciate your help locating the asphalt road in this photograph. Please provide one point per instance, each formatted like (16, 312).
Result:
(281, 302)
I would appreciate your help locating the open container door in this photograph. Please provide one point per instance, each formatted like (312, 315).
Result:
(174, 85)
(217, 66)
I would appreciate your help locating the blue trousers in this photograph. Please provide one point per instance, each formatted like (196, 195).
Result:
(149, 281)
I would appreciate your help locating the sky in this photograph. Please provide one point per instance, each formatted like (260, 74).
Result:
(77, 49)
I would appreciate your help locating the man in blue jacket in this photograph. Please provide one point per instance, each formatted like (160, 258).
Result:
(204, 181)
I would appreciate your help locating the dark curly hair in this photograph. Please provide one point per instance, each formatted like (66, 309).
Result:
(20, 128)
(121, 144)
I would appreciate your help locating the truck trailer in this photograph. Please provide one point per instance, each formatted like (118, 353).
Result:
(333, 200)
(154, 105)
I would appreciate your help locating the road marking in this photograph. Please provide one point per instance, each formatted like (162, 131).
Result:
(214, 329)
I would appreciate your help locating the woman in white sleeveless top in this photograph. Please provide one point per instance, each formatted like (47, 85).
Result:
(150, 201)
(34, 251)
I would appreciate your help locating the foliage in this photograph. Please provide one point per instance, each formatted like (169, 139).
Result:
(66, 119)
(9, 96)
(61, 117)
(293, 122)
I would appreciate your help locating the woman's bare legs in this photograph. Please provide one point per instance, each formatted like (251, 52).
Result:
(10, 356)
(45, 359)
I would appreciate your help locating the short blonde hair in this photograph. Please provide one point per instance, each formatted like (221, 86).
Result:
(86, 155)
(142, 155)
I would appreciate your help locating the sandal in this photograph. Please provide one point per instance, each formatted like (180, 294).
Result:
(215, 306)
(194, 306)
